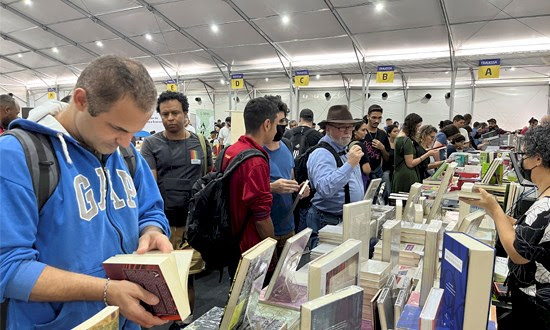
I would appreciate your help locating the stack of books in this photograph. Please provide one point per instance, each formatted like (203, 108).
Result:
(373, 275)
(413, 232)
(409, 254)
(331, 234)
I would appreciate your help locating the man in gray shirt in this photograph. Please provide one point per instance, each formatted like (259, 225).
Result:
(178, 158)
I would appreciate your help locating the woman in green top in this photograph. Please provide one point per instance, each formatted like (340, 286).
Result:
(406, 158)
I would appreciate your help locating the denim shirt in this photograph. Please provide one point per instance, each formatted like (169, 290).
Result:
(329, 180)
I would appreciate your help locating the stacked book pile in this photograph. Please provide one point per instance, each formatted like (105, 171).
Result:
(413, 232)
(321, 249)
(409, 254)
(372, 277)
(331, 234)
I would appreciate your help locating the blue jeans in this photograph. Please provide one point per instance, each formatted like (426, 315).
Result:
(302, 221)
(317, 219)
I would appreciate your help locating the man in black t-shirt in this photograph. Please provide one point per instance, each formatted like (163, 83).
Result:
(304, 132)
(376, 141)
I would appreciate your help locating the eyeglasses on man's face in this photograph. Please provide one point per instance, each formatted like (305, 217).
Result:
(343, 129)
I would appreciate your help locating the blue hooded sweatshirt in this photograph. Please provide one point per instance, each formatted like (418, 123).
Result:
(96, 211)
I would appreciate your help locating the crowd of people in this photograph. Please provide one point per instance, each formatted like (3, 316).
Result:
(51, 256)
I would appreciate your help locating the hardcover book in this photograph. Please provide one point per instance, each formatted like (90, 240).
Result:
(385, 308)
(163, 274)
(356, 218)
(247, 284)
(335, 270)
(430, 312)
(105, 319)
(409, 318)
(466, 276)
(283, 289)
(431, 258)
(338, 310)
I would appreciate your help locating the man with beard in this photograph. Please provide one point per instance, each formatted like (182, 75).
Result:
(178, 158)
(376, 141)
(335, 185)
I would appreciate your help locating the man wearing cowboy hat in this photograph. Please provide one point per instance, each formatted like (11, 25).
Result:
(334, 184)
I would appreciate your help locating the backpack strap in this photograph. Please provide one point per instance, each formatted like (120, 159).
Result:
(41, 162)
(240, 158)
(130, 158)
(287, 142)
(339, 163)
(205, 160)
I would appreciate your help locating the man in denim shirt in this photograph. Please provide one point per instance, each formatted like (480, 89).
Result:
(327, 178)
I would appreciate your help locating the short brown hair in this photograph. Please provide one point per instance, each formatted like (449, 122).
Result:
(109, 78)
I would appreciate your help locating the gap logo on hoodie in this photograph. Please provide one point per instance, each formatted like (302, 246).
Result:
(88, 206)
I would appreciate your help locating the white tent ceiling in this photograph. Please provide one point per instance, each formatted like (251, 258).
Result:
(321, 35)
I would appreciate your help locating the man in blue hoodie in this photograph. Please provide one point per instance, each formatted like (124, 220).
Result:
(51, 258)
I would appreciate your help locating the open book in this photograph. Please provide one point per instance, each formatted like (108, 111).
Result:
(105, 319)
(162, 274)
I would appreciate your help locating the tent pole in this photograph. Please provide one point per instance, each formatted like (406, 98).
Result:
(473, 87)
(452, 100)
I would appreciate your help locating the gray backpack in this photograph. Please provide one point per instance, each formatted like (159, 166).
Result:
(42, 162)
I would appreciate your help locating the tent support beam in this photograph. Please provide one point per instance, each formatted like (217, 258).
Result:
(280, 52)
(356, 47)
(405, 84)
(473, 87)
(451, 55)
(164, 63)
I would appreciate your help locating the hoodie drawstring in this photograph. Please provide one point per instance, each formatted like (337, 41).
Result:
(64, 146)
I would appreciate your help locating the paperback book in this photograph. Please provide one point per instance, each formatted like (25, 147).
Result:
(163, 274)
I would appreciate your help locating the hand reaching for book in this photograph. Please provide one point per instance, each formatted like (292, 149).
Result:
(487, 201)
(127, 296)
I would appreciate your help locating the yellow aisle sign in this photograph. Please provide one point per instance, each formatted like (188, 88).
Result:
(171, 86)
(301, 78)
(51, 94)
(488, 69)
(237, 81)
(385, 74)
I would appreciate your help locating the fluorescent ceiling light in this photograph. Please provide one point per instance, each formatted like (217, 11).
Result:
(19, 55)
(99, 44)
(222, 81)
(317, 76)
(512, 69)
(379, 6)
(285, 19)
(266, 79)
(27, 2)
(55, 50)
(214, 28)
(148, 37)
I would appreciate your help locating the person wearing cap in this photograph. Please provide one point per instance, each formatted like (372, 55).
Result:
(334, 185)
(305, 127)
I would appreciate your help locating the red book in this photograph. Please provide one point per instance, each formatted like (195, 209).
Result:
(162, 274)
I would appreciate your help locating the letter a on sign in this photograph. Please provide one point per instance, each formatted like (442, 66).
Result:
(385, 74)
(489, 69)
(237, 81)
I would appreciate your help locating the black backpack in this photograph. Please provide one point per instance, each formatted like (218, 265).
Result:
(209, 222)
(42, 162)
(300, 169)
(298, 141)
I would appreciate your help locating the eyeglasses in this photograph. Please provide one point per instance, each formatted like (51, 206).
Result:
(343, 129)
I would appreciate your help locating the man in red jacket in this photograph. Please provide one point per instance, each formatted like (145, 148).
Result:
(249, 196)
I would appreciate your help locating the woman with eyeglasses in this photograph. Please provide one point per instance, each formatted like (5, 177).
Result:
(407, 159)
(527, 239)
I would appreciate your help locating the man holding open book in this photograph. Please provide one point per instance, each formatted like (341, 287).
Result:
(51, 257)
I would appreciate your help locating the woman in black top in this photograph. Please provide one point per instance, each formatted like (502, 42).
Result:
(357, 137)
(528, 244)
